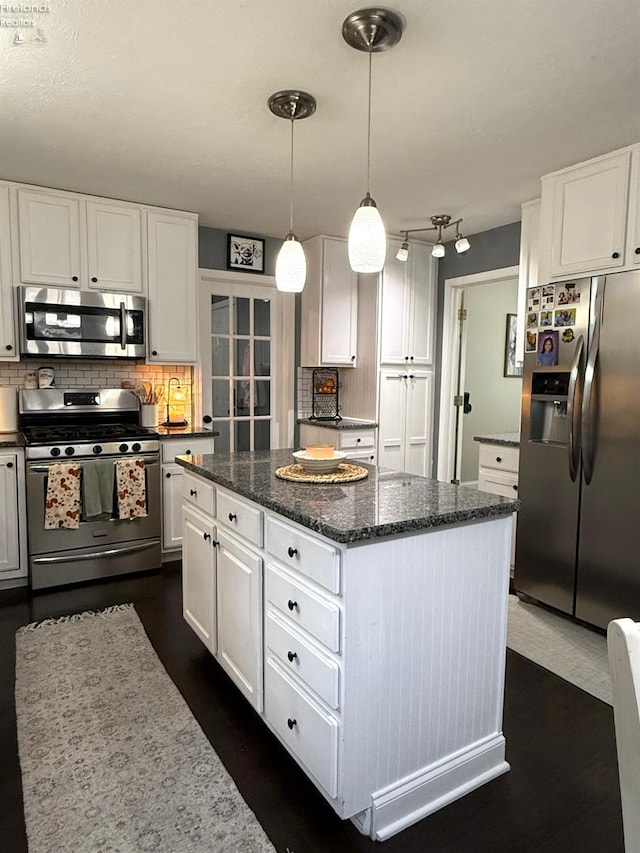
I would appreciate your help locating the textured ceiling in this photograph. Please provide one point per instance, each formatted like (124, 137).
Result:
(165, 102)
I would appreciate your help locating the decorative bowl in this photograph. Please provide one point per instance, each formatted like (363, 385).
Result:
(318, 466)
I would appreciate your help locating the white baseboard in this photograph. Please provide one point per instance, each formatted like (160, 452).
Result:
(413, 798)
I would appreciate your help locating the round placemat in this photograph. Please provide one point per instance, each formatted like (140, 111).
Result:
(344, 473)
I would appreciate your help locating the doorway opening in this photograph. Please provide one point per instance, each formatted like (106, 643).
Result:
(477, 397)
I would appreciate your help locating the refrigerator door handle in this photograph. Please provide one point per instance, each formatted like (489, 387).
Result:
(588, 432)
(574, 412)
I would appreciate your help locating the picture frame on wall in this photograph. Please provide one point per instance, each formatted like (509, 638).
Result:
(511, 368)
(245, 254)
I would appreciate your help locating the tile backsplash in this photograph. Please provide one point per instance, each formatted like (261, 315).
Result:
(99, 373)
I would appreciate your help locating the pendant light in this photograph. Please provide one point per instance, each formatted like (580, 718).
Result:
(371, 30)
(291, 263)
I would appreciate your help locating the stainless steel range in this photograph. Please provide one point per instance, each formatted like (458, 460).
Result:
(81, 425)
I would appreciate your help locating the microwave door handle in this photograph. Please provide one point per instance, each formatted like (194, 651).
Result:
(573, 410)
(123, 326)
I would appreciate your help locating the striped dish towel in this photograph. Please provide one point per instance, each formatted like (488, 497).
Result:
(62, 503)
(131, 486)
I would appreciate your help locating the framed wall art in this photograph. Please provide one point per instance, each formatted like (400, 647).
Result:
(511, 368)
(245, 254)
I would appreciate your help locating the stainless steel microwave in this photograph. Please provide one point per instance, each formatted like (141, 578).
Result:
(81, 324)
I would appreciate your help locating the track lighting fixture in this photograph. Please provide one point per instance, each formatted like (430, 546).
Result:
(438, 223)
(291, 263)
(371, 30)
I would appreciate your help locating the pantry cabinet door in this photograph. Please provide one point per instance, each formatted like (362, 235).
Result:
(419, 418)
(114, 247)
(394, 314)
(49, 238)
(421, 273)
(392, 420)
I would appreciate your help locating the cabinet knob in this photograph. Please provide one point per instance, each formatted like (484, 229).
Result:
(637, 250)
(411, 376)
(515, 487)
(406, 358)
(206, 419)
(207, 537)
(94, 279)
(498, 458)
(411, 358)
(193, 492)
(74, 278)
(292, 656)
(615, 255)
(187, 453)
(353, 358)
(154, 352)
(9, 464)
(292, 605)
(292, 551)
(358, 440)
(167, 475)
(9, 347)
(291, 723)
(233, 516)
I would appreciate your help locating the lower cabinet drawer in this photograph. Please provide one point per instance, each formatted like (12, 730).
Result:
(240, 516)
(199, 492)
(172, 447)
(498, 483)
(305, 554)
(310, 733)
(499, 456)
(306, 609)
(297, 655)
(355, 439)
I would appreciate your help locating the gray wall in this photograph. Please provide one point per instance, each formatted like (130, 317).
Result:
(212, 248)
(490, 250)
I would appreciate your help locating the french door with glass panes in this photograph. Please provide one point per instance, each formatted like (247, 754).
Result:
(246, 363)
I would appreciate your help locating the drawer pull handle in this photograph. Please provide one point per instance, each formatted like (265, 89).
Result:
(292, 551)
(292, 656)
(193, 493)
(291, 723)
(498, 458)
(292, 605)
(207, 536)
(233, 516)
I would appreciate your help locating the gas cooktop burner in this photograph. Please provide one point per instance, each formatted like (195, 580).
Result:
(85, 432)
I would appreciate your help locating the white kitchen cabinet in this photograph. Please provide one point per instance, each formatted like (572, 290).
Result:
(498, 473)
(239, 601)
(13, 520)
(172, 485)
(329, 305)
(356, 443)
(69, 240)
(114, 246)
(8, 329)
(199, 575)
(407, 307)
(405, 421)
(172, 244)
(584, 217)
(633, 241)
(528, 266)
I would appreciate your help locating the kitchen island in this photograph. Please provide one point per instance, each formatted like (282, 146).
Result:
(365, 622)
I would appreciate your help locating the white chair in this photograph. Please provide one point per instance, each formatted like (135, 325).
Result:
(623, 642)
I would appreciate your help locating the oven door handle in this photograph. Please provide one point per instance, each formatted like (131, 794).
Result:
(123, 326)
(43, 469)
(96, 555)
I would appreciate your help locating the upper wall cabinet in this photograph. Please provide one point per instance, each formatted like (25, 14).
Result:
(173, 262)
(8, 337)
(67, 240)
(329, 305)
(406, 315)
(587, 219)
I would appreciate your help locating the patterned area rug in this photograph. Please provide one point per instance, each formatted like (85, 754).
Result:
(112, 758)
(573, 652)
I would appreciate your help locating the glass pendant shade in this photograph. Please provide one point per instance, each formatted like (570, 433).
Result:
(462, 245)
(291, 266)
(403, 252)
(367, 242)
(438, 250)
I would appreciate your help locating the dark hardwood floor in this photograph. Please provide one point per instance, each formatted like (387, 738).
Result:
(562, 793)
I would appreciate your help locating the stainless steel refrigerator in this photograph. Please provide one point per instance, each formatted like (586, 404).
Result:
(578, 531)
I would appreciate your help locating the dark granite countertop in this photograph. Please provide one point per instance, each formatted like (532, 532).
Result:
(179, 432)
(507, 439)
(11, 439)
(334, 423)
(387, 503)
